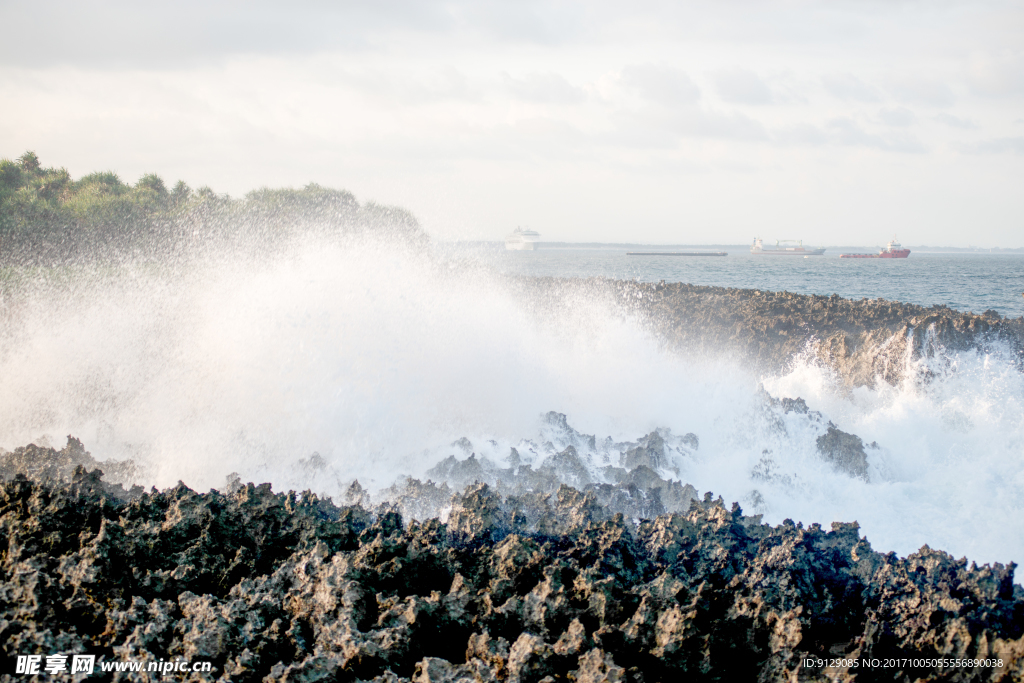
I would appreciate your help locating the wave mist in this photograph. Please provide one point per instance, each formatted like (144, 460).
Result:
(377, 357)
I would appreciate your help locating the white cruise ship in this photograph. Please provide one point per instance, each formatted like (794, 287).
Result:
(522, 240)
(779, 250)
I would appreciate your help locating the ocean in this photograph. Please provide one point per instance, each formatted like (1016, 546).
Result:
(966, 281)
(382, 361)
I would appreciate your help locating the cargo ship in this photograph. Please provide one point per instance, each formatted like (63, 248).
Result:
(779, 250)
(891, 250)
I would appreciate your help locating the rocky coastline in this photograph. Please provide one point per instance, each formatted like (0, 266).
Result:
(576, 560)
(505, 585)
(861, 341)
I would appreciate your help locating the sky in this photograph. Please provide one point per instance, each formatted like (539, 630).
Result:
(843, 122)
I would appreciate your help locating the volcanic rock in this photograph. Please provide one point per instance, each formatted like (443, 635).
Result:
(845, 451)
(536, 587)
(862, 341)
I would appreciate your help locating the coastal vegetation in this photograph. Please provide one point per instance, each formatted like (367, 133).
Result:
(48, 217)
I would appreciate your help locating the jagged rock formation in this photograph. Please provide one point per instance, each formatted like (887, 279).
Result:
(860, 340)
(637, 479)
(518, 588)
(845, 452)
(640, 479)
(58, 467)
(637, 492)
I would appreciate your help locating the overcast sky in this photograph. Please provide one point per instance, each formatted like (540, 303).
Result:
(672, 122)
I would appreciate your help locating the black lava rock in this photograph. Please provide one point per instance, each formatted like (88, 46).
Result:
(528, 588)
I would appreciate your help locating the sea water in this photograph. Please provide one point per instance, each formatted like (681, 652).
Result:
(967, 281)
(378, 358)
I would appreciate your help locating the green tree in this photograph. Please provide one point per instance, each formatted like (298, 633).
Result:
(180, 194)
(29, 161)
(47, 216)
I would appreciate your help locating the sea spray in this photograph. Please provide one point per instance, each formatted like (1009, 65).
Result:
(330, 362)
(363, 354)
(951, 473)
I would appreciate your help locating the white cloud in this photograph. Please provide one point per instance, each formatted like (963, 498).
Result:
(897, 117)
(527, 21)
(661, 83)
(665, 127)
(849, 87)
(923, 91)
(955, 121)
(464, 108)
(548, 88)
(846, 132)
(999, 75)
(739, 86)
(1013, 145)
(734, 126)
(802, 134)
(410, 87)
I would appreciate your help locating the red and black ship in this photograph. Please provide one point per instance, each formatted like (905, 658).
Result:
(891, 250)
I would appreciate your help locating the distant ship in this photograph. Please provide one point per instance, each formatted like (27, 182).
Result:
(892, 250)
(779, 250)
(522, 240)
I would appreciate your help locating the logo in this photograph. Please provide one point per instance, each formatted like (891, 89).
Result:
(29, 665)
(54, 664)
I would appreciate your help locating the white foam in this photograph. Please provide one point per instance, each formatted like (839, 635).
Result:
(951, 470)
(378, 358)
